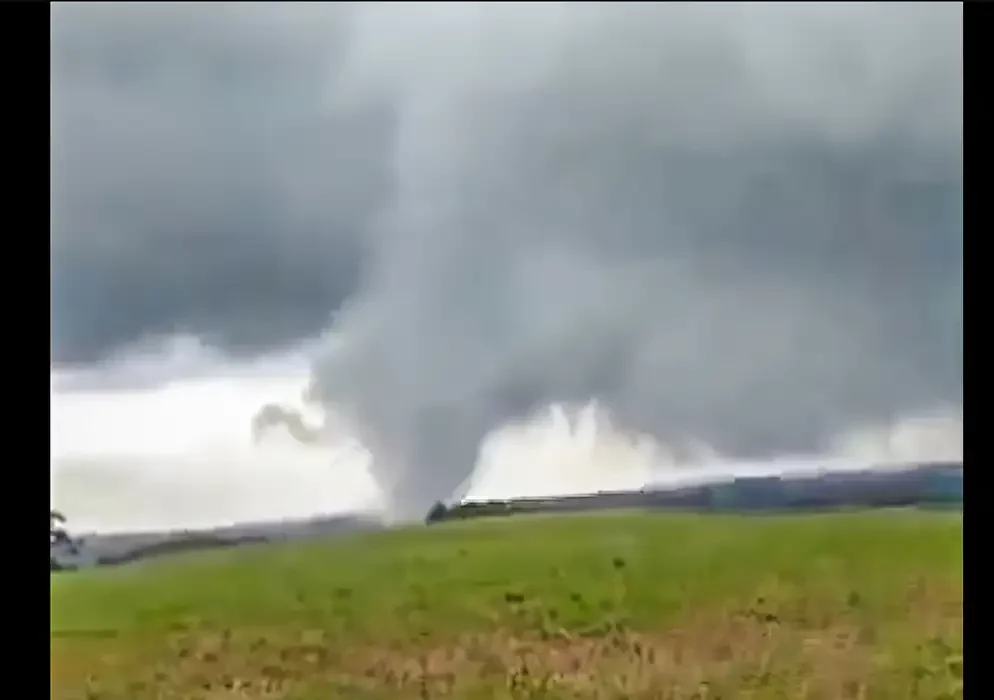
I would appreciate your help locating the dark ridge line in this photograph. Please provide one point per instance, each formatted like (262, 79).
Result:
(936, 484)
(927, 485)
(176, 547)
(139, 546)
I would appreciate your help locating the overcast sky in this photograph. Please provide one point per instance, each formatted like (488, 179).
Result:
(741, 222)
(200, 182)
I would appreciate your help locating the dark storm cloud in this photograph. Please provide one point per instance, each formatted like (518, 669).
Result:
(199, 184)
(738, 223)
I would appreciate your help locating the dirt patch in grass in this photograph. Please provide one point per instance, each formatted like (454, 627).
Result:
(755, 653)
(722, 658)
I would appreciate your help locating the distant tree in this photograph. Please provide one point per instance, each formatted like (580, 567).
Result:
(57, 533)
(437, 513)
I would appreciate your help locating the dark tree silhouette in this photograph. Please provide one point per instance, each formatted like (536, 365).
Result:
(57, 533)
(437, 513)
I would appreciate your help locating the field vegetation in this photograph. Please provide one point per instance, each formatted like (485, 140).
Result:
(616, 605)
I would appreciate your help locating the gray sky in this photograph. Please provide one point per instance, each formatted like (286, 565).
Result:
(199, 182)
(737, 222)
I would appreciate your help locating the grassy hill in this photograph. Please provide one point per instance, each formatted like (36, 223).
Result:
(620, 605)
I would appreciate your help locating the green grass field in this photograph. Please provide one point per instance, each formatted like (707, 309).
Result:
(856, 605)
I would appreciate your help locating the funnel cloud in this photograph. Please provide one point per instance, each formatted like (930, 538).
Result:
(737, 225)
